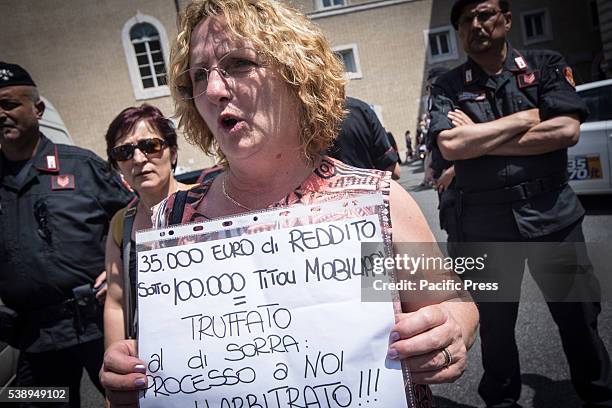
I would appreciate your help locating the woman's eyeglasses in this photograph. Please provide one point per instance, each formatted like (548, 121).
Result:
(147, 146)
(237, 63)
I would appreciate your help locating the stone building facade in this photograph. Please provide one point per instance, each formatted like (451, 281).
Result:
(92, 59)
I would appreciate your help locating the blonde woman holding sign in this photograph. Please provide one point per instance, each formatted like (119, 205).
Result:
(257, 83)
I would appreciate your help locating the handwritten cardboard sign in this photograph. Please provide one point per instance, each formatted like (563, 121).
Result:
(266, 319)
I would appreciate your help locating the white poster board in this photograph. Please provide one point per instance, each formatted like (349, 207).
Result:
(264, 310)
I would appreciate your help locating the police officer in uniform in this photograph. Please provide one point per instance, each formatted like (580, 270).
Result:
(55, 205)
(506, 117)
(443, 172)
(362, 141)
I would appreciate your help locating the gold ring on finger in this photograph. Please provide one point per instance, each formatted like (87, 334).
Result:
(448, 357)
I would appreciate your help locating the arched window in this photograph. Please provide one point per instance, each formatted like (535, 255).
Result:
(145, 45)
(149, 55)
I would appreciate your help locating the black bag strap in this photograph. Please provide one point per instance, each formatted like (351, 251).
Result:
(129, 306)
(176, 215)
(180, 197)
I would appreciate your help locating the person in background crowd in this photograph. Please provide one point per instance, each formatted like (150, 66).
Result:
(422, 130)
(142, 144)
(268, 104)
(409, 150)
(55, 205)
(506, 118)
(363, 141)
(422, 152)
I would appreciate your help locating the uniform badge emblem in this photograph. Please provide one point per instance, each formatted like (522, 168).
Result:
(63, 182)
(468, 75)
(528, 79)
(5, 74)
(520, 62)
(569, 76)
(51, 163)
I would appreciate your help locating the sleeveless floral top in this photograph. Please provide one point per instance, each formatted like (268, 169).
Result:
(330, 180)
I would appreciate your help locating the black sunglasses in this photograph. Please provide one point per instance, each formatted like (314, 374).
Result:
(147, 146)
(482, 16)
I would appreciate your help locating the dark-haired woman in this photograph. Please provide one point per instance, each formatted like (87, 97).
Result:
(141, 144)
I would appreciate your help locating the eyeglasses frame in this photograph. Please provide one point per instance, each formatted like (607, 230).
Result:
(135, 146)
(186, 92)
(464, 21)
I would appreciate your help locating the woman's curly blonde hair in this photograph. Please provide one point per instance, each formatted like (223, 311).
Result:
(292, 43)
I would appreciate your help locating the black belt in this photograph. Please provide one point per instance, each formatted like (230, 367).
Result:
(522, 191)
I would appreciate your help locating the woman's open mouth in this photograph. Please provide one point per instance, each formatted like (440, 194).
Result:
(230, 123)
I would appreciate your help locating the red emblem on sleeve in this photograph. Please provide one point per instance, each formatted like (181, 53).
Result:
(63, 182)
(569, 76)
(528, 79)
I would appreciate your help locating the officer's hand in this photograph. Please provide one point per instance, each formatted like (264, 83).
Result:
(445, 179)
(102, 289)
(419, 338)
(123, 374)
(459, 118)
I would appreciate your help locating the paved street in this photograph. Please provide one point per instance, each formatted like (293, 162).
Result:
(546, 382)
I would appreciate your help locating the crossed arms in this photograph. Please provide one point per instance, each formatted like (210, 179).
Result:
(520, 134)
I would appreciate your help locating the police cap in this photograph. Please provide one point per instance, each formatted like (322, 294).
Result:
(460, 4)
(13, 74)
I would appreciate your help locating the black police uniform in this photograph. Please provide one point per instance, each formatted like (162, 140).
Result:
(525, 199)
(447, 199)
(54, 216)
(362, 141)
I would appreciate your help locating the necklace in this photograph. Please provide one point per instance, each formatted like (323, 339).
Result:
(230, 197)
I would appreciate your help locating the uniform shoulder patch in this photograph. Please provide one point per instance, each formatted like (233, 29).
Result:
(520, 62)
(569, 76)
(528, 79)
(63, 182)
